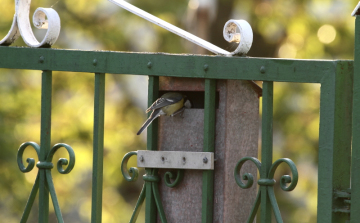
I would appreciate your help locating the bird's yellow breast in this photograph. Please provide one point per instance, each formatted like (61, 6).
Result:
(171, 109)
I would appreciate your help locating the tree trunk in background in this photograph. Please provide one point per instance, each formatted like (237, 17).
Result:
(223, 14)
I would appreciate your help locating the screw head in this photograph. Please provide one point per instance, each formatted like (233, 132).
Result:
(262, 69)
(149, 65)
(141, 159)
(95, 62)
(205, 160)
(41, 59)
(206, 67)
(162, 158)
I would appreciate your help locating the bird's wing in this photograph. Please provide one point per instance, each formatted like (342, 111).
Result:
(162, 102)
(153, 116)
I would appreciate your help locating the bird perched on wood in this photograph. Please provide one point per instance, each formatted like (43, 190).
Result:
(169, 104)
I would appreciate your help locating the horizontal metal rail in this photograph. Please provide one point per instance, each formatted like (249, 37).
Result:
(161, 64)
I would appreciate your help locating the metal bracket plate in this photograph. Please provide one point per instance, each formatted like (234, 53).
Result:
(342, 201)
(175, 160)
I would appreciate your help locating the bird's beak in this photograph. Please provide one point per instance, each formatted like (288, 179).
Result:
(187, 104)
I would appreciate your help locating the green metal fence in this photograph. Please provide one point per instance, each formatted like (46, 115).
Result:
(339, 105)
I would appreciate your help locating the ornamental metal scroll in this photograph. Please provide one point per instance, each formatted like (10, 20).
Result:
(44, 174)
(286, 183)
(21, 25)
(238, 31)
(172, 179)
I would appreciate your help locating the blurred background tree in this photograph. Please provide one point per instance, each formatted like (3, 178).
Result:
(306, 29)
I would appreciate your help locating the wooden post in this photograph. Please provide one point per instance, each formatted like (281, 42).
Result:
(236, 136)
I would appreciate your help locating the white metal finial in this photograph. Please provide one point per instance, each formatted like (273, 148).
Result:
(21, 25)
(239, 31)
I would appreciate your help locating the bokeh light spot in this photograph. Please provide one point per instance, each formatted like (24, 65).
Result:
(326, 34)
(263, 9)
(193, 4)
(287, 50)
(297, 40)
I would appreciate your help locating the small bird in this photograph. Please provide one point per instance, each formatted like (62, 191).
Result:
(169, 104)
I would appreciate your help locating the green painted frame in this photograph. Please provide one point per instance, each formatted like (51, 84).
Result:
(335, 77)
(355, 156)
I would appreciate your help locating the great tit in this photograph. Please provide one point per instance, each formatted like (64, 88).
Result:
(169, 104)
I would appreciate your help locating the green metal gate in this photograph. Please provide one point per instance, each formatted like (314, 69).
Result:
(339, 120)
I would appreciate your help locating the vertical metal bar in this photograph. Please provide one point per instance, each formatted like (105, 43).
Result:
(45, 140)
(326, 149)
(138, 206)
(98, 148)
(209, 146)
(334, 142)
(54, 199)
(355, 157)
(152, 144)
(266, 147)
(342, 135)
(31, 200)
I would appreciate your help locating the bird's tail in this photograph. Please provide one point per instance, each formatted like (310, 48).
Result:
(154, 115)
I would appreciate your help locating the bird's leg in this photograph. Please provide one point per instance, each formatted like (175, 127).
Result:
(179, 111)
(182, 112)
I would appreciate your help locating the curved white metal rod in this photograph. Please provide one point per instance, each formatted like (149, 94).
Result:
(21, 25)
(12, 35)
(245, 31)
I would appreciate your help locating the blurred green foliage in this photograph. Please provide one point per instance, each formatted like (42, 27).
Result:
(303, 29)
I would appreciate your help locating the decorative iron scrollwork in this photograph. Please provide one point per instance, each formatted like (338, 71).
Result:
(287, 183)
(44, 172)
(151, 178)
(30, 161)
(175, 176)
(238, 31)
(21, 25)
(247, 176)
(133, 172)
